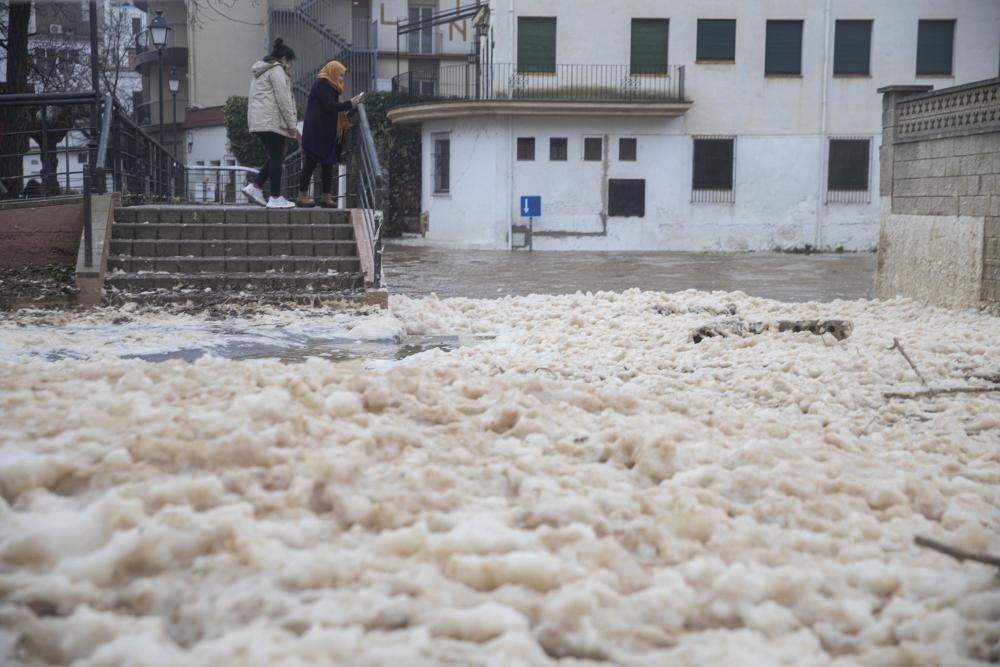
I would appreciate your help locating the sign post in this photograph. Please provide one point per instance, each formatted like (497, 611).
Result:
(530, 208)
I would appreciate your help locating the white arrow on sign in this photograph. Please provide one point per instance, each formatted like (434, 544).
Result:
(527, 209)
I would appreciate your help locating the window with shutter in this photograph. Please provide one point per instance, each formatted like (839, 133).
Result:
(421, 41)
(783, 48)
(593, 149)
(935, 47)
(536, 45)
(713, 164)
(627, 149)
(852, 46)
(847, 168)
(716, 40)
(442, 165)
(558, 149)
(526, 149)
(649, 46)
(627, 198)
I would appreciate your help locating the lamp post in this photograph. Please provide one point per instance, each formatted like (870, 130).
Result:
(175, 85)
(158, 31)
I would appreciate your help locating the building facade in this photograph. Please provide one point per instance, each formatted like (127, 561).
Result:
(667, 125)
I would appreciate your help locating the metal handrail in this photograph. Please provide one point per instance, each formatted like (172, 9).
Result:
(372, 180)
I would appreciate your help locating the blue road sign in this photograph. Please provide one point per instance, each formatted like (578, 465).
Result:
(531, 207)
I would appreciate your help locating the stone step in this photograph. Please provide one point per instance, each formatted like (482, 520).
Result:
(237, 282)
(244, 215)
(255, 265)
(222, 300)
(231, 248)
(231, 231)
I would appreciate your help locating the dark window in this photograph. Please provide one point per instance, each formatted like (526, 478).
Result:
(593, 149)
(716, 39)
(627, 197)
(136, 25)
(935, 47)
(852, 47)
(649, 46)
(848, 165)
(442, 165)
(536, 44)
(713, 164)
(783, 50)
(558, 149)
(627, 150)
(81, 158)
(525, 148)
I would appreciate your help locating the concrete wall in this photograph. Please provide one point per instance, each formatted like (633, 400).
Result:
(940, 221)
(777, 190)
(40, 232)
(221, 49)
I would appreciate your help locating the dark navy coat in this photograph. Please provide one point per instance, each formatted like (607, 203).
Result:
(319, 132)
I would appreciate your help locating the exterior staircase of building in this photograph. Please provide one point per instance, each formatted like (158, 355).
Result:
(173, 253)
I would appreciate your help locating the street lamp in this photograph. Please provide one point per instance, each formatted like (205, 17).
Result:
(175, 85)
(158, 31)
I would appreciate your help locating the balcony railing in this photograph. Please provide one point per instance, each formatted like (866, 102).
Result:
(565, 83)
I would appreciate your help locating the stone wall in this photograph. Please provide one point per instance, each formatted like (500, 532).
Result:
(40, 232)
(939, 238)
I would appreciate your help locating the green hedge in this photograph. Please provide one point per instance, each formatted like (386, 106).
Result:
(245, 147)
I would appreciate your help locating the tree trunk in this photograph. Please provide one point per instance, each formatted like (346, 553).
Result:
(14, 121)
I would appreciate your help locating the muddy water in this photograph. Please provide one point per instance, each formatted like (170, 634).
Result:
(416, 270)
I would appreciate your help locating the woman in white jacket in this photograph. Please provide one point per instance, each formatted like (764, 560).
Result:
(272, 117)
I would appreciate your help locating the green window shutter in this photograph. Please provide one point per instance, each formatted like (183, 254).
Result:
(935, 46)
(848, 165)
(852, 47)
(783, 50)
(649, 46)
(536, 44)
(716, 39)
(713, 164)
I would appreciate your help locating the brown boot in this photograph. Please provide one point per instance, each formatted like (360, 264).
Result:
(303, 200)
(327, 201)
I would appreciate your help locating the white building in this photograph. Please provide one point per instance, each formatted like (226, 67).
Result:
(720, 125)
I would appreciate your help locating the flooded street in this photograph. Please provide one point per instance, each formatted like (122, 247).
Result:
(417, 270)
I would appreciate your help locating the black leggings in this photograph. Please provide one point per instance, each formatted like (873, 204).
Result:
(275, 145)
(326, 174)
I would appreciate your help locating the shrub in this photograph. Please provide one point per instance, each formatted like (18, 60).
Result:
(245, 147)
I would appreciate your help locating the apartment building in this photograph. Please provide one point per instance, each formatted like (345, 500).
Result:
(719, 125)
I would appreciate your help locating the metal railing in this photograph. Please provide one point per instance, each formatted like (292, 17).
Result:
(371, 180)
(46, 145)
(119, 155)
(564, 83)
(215, 184)
(361, 186)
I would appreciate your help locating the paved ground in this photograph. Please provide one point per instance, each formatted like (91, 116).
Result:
(417, 270)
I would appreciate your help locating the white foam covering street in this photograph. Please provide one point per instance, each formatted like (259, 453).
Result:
(583, 486)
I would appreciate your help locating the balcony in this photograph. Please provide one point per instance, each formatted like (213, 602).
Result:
(499, 88)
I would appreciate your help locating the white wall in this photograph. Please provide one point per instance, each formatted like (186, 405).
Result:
(778, 192)
(207, 144)
(783, 124)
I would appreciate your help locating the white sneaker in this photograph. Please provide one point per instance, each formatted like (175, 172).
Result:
(279, 202)
(254, 194)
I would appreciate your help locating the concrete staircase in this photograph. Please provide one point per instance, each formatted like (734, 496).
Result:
(169, 253)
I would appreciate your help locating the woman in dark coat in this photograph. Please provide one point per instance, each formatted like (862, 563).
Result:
(323, 132)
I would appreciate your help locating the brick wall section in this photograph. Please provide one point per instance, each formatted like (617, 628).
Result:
(952, 176)
(40, 232)
(991, 254)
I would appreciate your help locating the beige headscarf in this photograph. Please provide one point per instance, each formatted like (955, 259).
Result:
(331, 72)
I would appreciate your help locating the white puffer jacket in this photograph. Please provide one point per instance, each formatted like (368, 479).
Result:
(271, 107)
